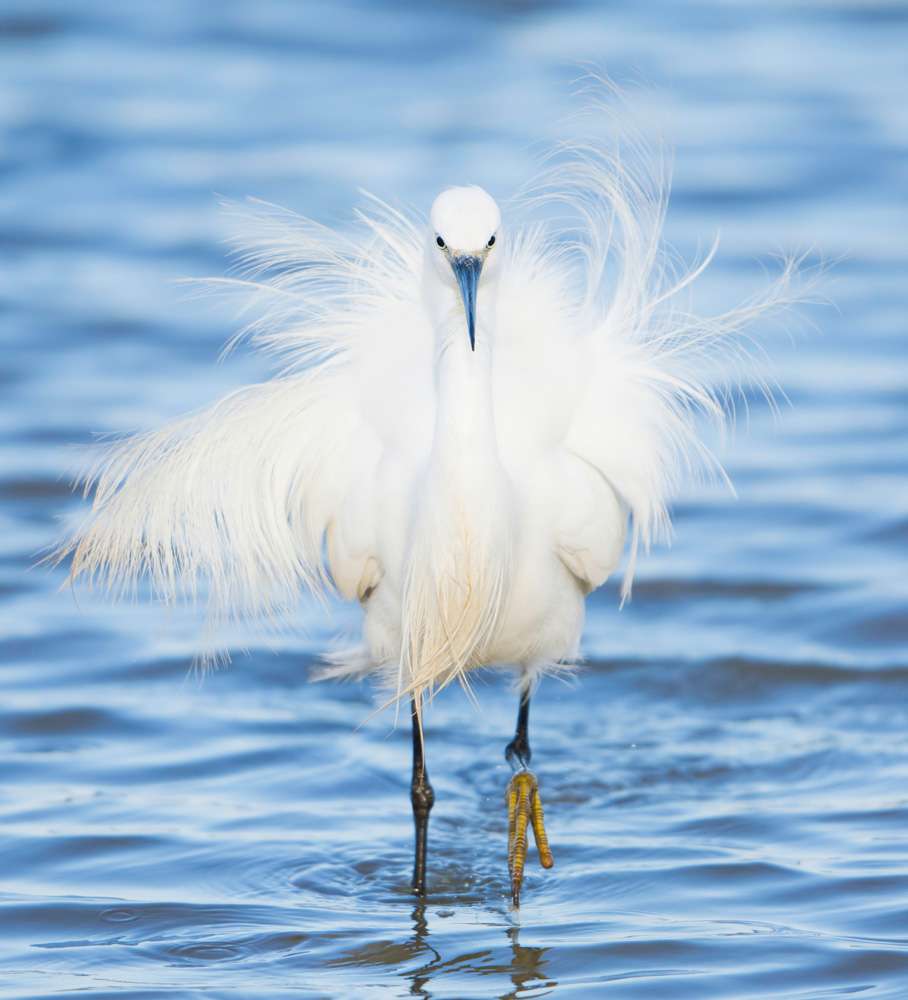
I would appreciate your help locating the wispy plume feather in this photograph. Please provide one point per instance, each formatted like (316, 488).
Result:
(232, 505)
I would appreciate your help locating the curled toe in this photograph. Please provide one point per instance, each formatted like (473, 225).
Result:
(524, 809)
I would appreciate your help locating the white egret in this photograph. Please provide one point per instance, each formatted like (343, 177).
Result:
(468, 419)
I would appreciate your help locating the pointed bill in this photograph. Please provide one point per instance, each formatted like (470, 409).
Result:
(466, 270)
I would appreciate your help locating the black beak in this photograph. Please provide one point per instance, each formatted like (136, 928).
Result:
(467, 268)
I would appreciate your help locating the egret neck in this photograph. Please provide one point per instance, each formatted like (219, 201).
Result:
(462, 551)
(465, 446)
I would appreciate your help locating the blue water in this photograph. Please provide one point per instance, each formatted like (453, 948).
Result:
(726, 784)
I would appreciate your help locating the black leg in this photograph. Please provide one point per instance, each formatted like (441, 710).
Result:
(422, 797)
(517, 752)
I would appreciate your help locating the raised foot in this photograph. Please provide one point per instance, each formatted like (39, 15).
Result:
(524, 807)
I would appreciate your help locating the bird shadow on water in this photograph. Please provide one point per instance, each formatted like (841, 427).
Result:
(421, 960)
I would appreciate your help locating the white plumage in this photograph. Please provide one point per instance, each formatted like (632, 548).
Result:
(468, 417)
(469, 498)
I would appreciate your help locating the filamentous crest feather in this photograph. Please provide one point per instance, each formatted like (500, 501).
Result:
(323, 477)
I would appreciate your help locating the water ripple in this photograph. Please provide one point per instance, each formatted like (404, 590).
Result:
(725, 782)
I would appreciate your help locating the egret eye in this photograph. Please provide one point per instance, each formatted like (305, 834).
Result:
(491, 242)
(440, 242)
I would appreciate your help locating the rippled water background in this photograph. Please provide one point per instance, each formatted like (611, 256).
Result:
(726, 784)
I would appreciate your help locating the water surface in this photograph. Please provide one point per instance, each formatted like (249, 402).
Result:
(726, 783)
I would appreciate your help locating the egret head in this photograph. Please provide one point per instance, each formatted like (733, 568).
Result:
(463, 234)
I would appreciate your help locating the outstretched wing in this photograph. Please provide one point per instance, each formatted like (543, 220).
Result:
(269, 492)
(645, 370)
(234, 500)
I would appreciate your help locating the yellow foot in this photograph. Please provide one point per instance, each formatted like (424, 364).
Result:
(524, 807)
